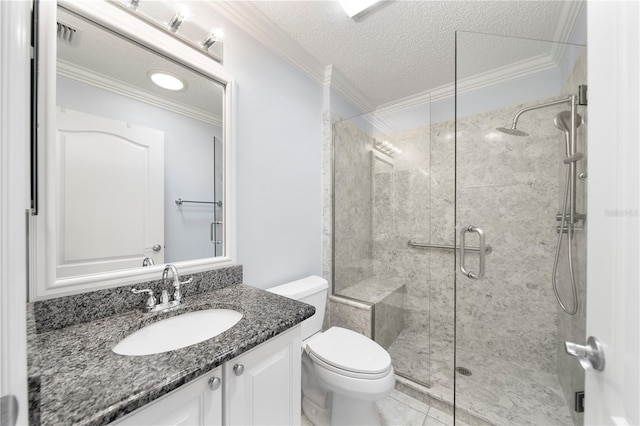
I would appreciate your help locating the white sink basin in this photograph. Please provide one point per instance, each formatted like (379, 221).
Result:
(178, 332)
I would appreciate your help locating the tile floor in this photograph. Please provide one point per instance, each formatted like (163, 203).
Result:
(399, 409)
(500, 392)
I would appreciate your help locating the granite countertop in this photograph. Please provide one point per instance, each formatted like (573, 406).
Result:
(79, 380)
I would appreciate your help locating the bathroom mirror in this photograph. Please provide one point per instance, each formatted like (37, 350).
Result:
(131, 175)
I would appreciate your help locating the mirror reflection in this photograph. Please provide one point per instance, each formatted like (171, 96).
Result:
(140, 155)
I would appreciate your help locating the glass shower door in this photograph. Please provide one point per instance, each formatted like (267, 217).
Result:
(513, 156)
(381, 195)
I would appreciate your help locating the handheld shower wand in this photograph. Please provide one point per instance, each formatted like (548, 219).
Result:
(568, 122)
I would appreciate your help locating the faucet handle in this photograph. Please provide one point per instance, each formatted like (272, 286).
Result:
(177, 296)
(151, 301)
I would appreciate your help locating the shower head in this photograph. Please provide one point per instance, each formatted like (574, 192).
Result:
(512, 131)
(562, 121)
(515, 132)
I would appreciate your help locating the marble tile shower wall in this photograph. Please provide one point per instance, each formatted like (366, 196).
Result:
(508, 186)
(352, 214)
(572, 328)
(401, 213)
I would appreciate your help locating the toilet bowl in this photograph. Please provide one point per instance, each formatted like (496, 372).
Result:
(343, 372)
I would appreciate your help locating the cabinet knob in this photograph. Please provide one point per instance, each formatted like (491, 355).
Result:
(214, 383)
(238, 369)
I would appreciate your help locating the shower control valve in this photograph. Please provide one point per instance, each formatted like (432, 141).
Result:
(591, 355)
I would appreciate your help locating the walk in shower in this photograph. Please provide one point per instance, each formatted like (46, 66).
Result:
(501, 163)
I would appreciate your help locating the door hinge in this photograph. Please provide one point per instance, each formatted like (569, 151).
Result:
(578, 405)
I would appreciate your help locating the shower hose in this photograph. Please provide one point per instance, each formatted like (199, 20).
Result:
(570, 251)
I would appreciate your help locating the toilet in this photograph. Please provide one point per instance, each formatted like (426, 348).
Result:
(343, 372)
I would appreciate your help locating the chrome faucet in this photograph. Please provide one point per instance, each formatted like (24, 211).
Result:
(174, 272)
(175, 282)
(165, 303)
(177, 296)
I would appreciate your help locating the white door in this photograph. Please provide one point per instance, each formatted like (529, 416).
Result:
(14, 203)
(110, 192)
(613, 298)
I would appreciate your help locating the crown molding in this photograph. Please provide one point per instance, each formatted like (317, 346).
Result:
(571, 11)
(336, 80)
(84, 75)
(484, 80)
(251, 20)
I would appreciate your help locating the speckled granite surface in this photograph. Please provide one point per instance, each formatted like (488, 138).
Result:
(81, 381)
(62, 312)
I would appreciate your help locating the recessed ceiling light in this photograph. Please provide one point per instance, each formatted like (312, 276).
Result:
(355, 7)
(167, 80)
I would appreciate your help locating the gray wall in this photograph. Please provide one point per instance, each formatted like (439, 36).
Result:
(279, 164)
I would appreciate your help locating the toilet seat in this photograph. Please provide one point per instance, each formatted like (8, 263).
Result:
(346, 373)
(349, 353)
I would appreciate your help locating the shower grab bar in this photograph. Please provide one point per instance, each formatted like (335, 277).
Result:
(463, 249)
(179, 202)
(487, 249)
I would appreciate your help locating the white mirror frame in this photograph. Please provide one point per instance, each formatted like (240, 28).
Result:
(43, 283)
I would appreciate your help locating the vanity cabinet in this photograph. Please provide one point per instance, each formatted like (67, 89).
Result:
(263, 385)
(199, 402)
(259, 387)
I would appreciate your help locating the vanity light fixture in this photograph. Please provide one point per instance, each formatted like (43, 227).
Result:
(183, 26)
(355, 7)
(132, 4)
(177, 20)
(214, 36)
(386, 148)
(167, 80)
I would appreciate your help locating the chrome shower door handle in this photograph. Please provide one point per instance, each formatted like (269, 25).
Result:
(481, 251)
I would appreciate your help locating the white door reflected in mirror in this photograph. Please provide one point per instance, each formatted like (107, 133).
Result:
(111, 192)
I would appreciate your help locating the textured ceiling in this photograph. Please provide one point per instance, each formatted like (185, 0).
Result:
(407, 47)
(122, 61)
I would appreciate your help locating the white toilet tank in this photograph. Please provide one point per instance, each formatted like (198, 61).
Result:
(311, 290)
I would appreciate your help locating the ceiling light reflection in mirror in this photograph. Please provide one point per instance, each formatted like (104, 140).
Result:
(167, 80)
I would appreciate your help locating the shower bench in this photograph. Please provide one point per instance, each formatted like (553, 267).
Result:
(373, 307)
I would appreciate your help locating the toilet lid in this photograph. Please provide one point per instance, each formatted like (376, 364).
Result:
(348, 350)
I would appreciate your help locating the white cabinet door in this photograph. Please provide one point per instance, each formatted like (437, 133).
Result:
(196, 403)
(110, 192)
(263, 385)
